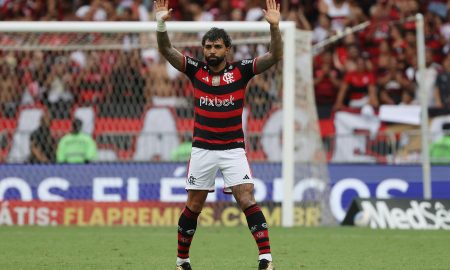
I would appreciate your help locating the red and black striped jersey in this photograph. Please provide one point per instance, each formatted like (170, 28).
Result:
(219, 102)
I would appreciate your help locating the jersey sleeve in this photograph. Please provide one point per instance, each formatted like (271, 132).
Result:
(191, 66)
(248, 68)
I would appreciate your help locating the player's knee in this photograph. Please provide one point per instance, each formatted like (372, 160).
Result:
(195, 207)
(245, 202)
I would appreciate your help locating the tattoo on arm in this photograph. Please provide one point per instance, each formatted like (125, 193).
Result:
(173, 56)
(275, 53)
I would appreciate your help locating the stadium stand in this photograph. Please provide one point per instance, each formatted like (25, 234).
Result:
(31, 82)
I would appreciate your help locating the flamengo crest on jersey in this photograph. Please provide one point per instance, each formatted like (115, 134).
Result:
(228, 77)
(219, 102)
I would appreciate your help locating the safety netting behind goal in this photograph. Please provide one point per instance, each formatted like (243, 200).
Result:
(133, 102)
(139, 111)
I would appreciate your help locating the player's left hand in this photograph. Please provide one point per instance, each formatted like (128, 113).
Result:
(272, 14)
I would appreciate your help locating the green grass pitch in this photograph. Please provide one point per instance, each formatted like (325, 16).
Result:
(154, 248)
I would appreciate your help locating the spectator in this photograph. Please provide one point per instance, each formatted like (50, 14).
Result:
(442, 88)
(326, 84)
(438, 7)
(76, 147)
(197, 13)
(65, 10)
(346, 54)
(410, 40)
(397, 39)
(42, 143)
(358, 88)
(382, 56)
(9, 93)
(338, 10)
(383, 11)
(222, 10)
(323, 29)
(444, 30)
(296, 14)
(26, 10)
(98, 10)
(127, 96)
(90, 84)
(433, 39)
(431, 72)
(58, 95)
(357, 14)
(136, 10)
(160, 90)
(382, 14)
(33, 68)
(440, 150)
(254, 11)
(257, 97)
(394, 87)
(237, 14)
(404, 9)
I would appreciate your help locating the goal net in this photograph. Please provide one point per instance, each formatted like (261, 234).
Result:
(138, 108)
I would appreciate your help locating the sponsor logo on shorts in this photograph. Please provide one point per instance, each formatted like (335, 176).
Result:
(246, 177)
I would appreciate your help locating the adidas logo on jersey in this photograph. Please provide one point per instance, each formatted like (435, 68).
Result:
(216, 102)
(246, 177)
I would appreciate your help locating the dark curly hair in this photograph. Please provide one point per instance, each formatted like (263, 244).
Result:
(215, 34)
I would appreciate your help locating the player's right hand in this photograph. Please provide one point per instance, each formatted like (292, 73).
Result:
(162, 7)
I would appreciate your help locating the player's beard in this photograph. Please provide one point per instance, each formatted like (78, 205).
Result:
(214, 61)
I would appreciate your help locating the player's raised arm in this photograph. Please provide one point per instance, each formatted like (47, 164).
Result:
(173, 56)
(275, 54)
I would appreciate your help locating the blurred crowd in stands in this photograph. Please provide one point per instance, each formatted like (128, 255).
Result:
(373, 67)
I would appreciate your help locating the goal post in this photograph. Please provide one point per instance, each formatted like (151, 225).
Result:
(302, 158)
(424, 129)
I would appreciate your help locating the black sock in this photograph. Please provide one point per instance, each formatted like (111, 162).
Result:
(258, 227)
(187, 224)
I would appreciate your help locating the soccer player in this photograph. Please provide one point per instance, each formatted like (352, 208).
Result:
(218, 140)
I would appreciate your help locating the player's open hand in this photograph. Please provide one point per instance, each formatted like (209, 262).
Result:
(162, 6)
(272, 14)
